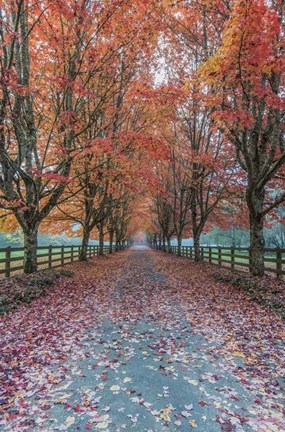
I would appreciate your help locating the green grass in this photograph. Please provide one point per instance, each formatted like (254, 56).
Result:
(226, 256)
(56, 254)
(20, 254)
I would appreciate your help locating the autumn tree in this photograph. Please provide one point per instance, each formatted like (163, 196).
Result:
(247, 73)
(48, 56)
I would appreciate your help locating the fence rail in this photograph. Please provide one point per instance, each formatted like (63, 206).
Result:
(236, 258)
(48, 257)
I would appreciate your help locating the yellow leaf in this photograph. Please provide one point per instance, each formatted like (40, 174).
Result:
(62, 399)
(127, 379)
(164, 414)
(193, 382)
(115, 388)
(261, 390)
(102, 425)
(238, 354)
(69, 421)
(178, 423)
(193, 423)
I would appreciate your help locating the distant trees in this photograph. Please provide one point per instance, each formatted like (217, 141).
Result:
(200, 170)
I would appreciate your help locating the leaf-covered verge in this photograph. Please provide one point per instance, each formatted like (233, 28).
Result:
(266, 291)
(25, 288)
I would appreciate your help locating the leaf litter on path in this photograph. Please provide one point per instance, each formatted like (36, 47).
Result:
(142, 341)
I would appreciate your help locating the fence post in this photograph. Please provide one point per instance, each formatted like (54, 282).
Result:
(232, 258)
(210, 254)
(219, 256)
(71, 258)
(250, 259)
(8, 261)
(50, 256)
(278, 262)
(62, 255)
(191, 252)
(202, 252)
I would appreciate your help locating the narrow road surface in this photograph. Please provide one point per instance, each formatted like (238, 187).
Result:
(146, 342)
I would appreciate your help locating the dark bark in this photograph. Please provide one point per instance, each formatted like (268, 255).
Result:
(197, 254)
(111, 239)
(195, 226)
(256, 246)
(168, 249)
(117, 245)
(255, 202)
(179, 245)
(162, 243)
(101, 239)
(84, 245)
(30, 249)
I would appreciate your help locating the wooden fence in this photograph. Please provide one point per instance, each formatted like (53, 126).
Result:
(11, 259)
(236, 258)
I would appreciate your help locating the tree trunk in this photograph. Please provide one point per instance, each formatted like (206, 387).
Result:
(168, 250)
(179, 245)
(155, 241)
(196, 240)
(255, 202)
(111, 239)
(84, 245)
(256, 246)
(117, 244)
(196, 234)
(160, 242)
(101, 239)
(163, 244)
(30, 250)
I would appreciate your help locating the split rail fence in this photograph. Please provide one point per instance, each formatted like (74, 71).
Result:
(48, 257)
(235, 258)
